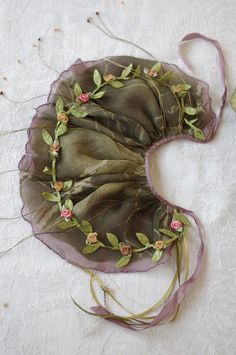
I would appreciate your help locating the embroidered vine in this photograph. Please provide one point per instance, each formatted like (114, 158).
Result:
(78, 109)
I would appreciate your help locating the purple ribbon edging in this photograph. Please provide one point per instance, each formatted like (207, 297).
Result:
(196, 35)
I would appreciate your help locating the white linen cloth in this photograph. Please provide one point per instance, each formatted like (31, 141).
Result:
(36, 312)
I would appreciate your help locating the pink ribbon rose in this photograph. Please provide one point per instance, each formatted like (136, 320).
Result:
(66, 213)
(84, 97)
(176, 225)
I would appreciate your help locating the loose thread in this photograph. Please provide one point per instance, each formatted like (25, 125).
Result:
(23, 215)
(15, 245)
(30, 236)
(103, 23)
(5, 133)
(9, 171)
(111, 35)
(41, 58)
(3, 94)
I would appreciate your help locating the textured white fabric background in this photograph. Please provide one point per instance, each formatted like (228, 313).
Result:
(36, 313)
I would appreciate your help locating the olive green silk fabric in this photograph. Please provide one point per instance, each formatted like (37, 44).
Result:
(104, 155)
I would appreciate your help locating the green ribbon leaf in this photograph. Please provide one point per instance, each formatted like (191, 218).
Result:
(193, 121)
(89, 249)
(190, 110)
(86, 227)
(113, 240)
(157, 255)
(97, 78)
(66, 224)
(47, 170)
(183, 87)
(143, 239)
(198, 133)
(77, 90)
(116, 84)
(137, 71)
(51, 197)
(124, 261)
(98, 95)
(67, 185)
(182, 94)
(61, 129)
(47, 137)
(168, 232)
(76, 111)
(157, 67)
(59, 105)
(68, 204)
(126, 71)
(166, 76)
(182, 218)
